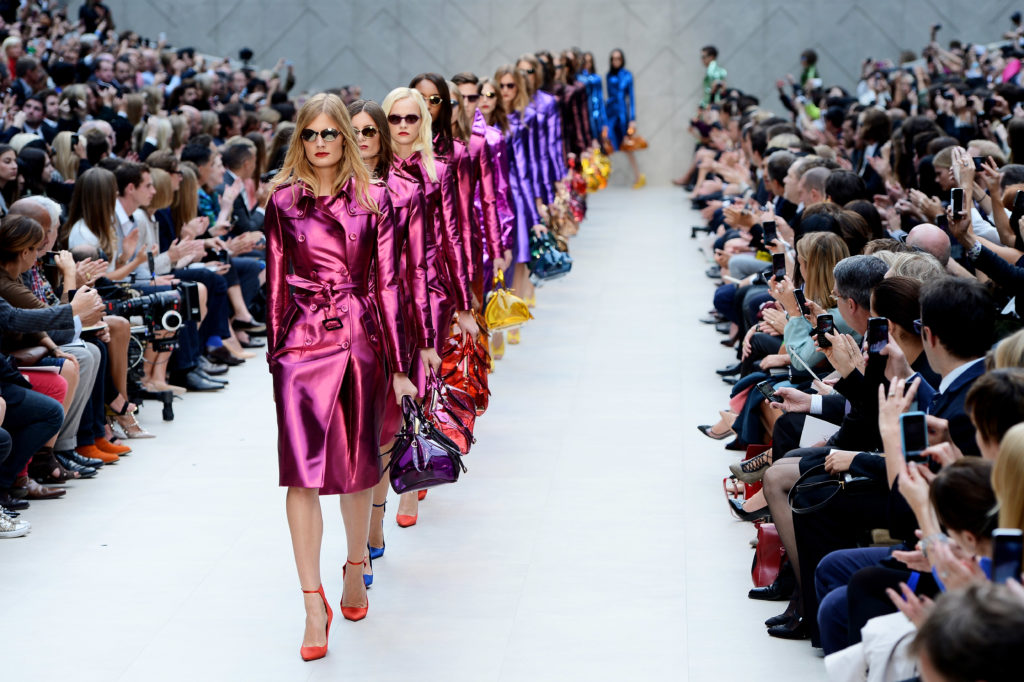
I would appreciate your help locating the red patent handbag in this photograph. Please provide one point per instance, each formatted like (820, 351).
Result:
(452, 412)
(768, 556)
(464, 365)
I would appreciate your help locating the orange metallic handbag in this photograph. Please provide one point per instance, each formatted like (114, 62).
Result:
(633, 141)
(464, 366)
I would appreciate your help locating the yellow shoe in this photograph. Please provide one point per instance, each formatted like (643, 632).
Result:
(513, 337)
(640, 182)
(531, 301)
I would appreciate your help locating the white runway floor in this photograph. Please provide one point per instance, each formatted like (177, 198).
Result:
(589, 540)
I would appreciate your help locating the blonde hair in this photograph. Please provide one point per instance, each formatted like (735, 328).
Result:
(821, 251)
(164, 190)
(8, 41)
(134, 107)
(65, 160)
(463, 127)
(296, 167)
(210, 124)
(920, 266)
(1006, 477)
(1009, 352)
(425, 144)
(522, 98)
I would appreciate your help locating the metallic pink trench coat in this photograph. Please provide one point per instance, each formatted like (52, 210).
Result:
(334, 332)
(486, 199)
(461, 165)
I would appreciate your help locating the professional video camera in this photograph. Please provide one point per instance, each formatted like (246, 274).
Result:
(163, 311)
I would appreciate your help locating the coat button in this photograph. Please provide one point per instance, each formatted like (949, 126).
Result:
(342, 271)
(302, 237)
(313, 307)
(373, 337)
(352, 236)
(344, 308)
(309, 342)
(345, 345)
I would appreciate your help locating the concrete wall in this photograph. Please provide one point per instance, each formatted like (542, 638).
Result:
(381, 44)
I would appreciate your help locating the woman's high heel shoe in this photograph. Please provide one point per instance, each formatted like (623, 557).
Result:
(378, 552)
(709, 431)
(736, 507)
(421, 494)
(312, 653)
(353, 613)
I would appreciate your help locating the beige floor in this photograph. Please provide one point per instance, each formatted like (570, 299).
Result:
(589, 540)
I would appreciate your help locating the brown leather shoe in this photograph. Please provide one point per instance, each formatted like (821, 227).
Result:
(38, 492)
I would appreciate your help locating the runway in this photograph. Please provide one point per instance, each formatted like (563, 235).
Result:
(588, 541)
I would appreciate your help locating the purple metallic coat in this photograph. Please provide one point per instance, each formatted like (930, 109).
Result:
(333, 338)
(485, 199)
(518, 141)
(498, 153)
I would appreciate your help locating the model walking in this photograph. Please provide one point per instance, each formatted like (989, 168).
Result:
(621, 110)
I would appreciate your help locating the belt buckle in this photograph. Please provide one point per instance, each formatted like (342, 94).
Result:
(332, 324)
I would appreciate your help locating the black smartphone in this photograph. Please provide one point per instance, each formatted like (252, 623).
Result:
(49, 258)
(825, 325)
(769, 232)
(801, 301)
(878, 334)
(768, 391)
(979, 161)
(956, 200)
(74, 140)
(914, 433)
(779, 266)
(1007, 553)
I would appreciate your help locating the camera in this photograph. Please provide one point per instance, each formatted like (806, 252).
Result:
(160, 311)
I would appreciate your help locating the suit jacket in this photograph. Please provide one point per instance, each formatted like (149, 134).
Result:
(46, 131)
(242, 218)
(18, 320)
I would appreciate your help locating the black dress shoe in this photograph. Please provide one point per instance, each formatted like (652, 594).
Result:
(723, 327)
(794, 628)
(773, 592)
(732, 381)
(729, 371)
(736, 507)
(253, 342)
(8, 502)
(71, 465)
(216, 380)
(714, 272)
(223, 355)
(212, 368)
(195, 382)
(737, 445)
(82, 460)
(250, 328)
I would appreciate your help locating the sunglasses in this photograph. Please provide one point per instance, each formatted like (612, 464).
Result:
(435, 99)
(489, 95)
(471, 98)
(367, 132)
(327, 134)
(454, 103)
(395, 119)
(508, 86)
(918, 326)
(529, 71)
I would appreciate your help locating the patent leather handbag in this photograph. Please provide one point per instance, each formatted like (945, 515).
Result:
(768, 556)
(633, 141)
(504, 310)
(464, 365)
(546, 260)
(817, 489)
(452, 411)
(422, 457)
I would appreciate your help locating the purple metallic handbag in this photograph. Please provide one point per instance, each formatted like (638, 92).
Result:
(422, 457)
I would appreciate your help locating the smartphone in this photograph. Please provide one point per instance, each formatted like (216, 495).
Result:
(878, 334)
(956, 200)
(769, 232)
(1007, 552)
(779, 266)
(768, 391)
(825, 326)
(914, 432)
(978, 161)
(801, 301)
(49, 258)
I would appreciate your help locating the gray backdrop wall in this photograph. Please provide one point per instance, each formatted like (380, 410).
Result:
(381, 44)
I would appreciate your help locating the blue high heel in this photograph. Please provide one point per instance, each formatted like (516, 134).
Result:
(377, 552)
(368, 579)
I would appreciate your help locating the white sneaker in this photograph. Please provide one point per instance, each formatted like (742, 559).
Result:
(13, 528)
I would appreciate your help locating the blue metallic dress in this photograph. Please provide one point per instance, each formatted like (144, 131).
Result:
(595, 101)
(620, 111)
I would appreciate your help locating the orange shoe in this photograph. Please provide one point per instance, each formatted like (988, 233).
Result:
(106, 446)
(405, 520)
(96, 453)
(312, 653)
(353, 613)
(421, 494)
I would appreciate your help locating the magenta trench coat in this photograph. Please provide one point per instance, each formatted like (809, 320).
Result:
(335, 337)
(460, 163)
(412, 236)
(486, 196)
(447, 275)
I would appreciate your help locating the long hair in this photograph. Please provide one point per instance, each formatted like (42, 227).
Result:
(499, 117)
(164, 194)
(538, 71)
(296, 167)
(821, 251)
(279, 144)
(440, 127)
(93, 202)
(461, 127)
(522, 98)
(386, 155)
(425, 144)
(185, 205)
(18, 233)
(612, 69)
(65, 160)
(1006, 478)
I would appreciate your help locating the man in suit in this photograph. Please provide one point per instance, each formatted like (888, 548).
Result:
(31, 119)
(239, 160)
(29, 78)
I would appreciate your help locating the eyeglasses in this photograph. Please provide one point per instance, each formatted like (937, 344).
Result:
(508, 86)
(435, 99)
(367, 132)
(327, 134)
(395, 119)
(489, 95)
(472, 98)
(453, 102)
(529, 71)
(918, 326)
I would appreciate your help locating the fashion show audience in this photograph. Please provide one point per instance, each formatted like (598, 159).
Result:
(868, 252)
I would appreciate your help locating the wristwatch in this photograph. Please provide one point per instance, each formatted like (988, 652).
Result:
(974, 251)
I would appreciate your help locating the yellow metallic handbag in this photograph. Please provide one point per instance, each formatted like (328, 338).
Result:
(504, 310)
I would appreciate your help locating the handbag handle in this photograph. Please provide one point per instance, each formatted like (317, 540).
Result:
(499, 279)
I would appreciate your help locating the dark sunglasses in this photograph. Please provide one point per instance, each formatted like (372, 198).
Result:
(435, 99)
(327, 134)
(367, 132)
(454, 103)
(395, 119)
(489, 95)
(471, 98)
(508, 86)
(918, 326)
(529, 71)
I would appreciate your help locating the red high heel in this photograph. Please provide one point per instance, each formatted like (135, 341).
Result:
(421, 494)
(312, 653)
(405, 520)
(353, 613)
